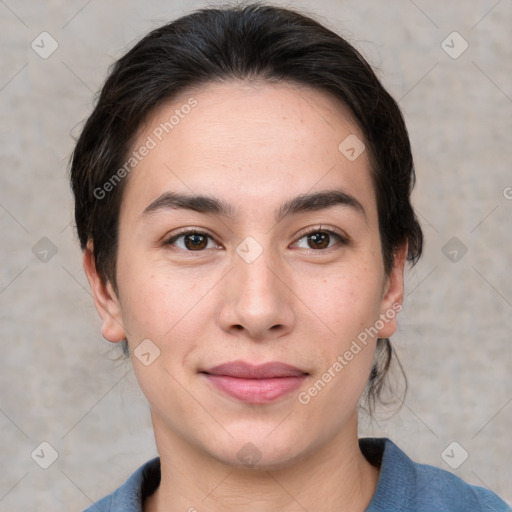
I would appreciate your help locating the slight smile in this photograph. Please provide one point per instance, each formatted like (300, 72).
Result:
(255, 384)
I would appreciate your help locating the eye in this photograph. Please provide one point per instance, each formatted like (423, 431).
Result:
(197, 241)
(193, 241)
(319, 238)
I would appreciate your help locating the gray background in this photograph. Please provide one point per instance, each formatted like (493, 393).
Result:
(60, 381)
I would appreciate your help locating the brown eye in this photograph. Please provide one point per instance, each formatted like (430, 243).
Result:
(195, 241)
(320, 239)
(190, 241)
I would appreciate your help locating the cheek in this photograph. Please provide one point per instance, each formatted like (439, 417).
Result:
(350, 308)
(157, 304)
(172, 315)
(350, 302)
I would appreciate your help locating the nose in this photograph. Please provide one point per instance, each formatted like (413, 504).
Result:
(256, 301)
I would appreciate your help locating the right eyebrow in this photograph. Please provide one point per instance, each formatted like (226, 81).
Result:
(198, 203)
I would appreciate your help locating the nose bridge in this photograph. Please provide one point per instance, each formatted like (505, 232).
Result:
(257, 279)
(256, 297)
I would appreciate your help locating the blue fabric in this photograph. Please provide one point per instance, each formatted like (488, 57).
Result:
(404, 486)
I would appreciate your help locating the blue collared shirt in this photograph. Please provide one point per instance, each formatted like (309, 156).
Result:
(404, 486)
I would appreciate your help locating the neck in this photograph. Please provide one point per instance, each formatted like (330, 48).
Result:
(335, 478)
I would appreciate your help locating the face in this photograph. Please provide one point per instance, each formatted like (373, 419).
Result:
(248, 238)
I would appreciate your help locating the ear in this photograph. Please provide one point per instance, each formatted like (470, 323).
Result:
(393, 294)
(106, 302)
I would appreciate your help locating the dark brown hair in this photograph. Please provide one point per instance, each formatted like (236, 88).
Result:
(242, 42)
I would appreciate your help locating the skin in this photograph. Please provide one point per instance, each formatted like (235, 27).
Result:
(254, 146)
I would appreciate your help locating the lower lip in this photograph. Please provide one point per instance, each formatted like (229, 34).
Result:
(256, 391)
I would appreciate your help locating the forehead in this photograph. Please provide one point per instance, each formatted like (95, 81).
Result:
(248, 142)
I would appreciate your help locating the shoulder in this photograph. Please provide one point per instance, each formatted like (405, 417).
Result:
(405, 485)
(130, 496)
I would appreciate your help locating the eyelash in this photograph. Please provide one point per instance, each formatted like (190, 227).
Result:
(342, 240)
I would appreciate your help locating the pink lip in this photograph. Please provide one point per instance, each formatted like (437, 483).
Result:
(256, 384)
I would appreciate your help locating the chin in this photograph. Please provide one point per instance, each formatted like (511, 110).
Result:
(250, 457)
(257, 450)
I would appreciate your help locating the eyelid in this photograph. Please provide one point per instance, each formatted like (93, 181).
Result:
(344, 239)
(324, 229)
(189, 230)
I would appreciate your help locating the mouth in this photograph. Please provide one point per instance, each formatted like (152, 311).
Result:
(256, 384)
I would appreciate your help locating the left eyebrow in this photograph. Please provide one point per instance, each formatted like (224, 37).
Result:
(302, 203)
(318, 201)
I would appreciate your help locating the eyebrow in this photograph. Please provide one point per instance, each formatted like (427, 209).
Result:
(309, 202)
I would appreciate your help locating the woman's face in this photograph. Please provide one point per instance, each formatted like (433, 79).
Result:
(285, 266)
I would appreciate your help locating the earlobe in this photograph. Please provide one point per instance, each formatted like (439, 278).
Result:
(393, 293)
(106, 302)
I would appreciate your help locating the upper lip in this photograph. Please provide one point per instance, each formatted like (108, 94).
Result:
(245, 370)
